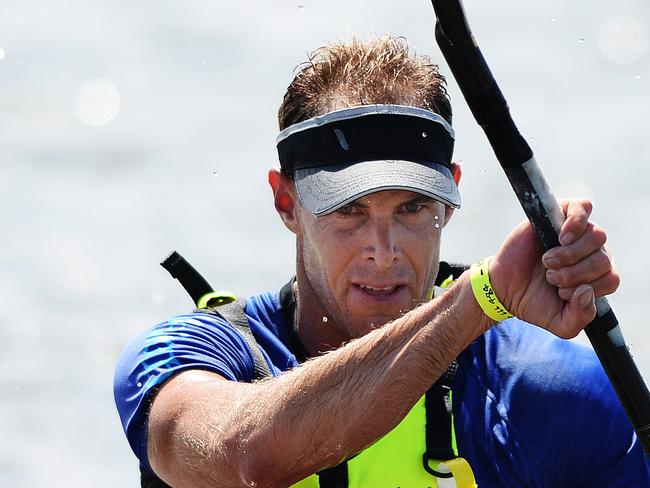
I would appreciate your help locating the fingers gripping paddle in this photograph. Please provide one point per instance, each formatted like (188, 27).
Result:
(491, 111)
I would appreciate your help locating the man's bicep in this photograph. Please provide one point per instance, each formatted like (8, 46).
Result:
(187, 428)
(186, 343)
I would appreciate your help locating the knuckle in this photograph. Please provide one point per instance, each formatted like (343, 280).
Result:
(572, 330)
(599, 235)
(603, 261)
(587, 205)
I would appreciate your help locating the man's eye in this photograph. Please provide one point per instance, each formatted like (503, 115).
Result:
(412, 207)
(346, 210)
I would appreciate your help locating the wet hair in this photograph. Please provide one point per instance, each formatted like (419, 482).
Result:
(347, 74)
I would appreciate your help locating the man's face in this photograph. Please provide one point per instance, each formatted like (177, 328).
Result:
(372, 260)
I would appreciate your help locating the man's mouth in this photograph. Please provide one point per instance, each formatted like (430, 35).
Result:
(377, 288)
(379, 291)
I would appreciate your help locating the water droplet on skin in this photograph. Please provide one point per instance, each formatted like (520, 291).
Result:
(424, 134)
(324, 319)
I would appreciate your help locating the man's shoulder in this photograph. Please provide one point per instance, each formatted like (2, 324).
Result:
(262, 311)
(194, 340)
(197, 336)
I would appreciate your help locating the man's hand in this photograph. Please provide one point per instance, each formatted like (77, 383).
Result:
(555, 290)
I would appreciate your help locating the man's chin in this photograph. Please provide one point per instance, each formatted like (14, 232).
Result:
(368, 323)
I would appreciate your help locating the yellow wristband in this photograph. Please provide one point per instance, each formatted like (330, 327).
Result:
(484, 294)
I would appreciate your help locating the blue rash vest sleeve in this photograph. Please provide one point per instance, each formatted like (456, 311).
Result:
(195, 341)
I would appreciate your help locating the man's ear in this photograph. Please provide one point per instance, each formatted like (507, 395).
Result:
(456, 172)
(284, 197)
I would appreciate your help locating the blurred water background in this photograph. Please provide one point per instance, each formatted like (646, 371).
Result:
(128, 129)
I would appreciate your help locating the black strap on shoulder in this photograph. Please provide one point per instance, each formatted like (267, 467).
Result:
(234, 314)
(195, 284)
(438, 429)
(288, 307)
(437, 400)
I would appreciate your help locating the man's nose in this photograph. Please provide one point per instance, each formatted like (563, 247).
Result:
(382, 244)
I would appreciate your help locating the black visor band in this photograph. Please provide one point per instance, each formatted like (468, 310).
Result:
(366, 133)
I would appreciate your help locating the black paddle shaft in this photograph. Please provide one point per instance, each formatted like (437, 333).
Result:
(490, 110)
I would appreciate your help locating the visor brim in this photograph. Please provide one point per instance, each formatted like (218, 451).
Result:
(324, 190)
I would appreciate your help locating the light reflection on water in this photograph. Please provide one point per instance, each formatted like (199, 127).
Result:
(88, 211)
(623, 40)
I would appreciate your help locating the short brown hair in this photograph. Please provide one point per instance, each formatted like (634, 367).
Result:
(381, 70)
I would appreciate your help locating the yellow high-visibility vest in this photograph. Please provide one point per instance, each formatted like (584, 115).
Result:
(395, 460)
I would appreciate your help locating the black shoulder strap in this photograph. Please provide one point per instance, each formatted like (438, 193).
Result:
(288, 307)
(438, 429)
(437, 400)
(234, 314)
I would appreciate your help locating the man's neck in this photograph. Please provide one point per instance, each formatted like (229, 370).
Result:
(317, 332)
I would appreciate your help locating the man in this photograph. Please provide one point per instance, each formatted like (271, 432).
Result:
(367, 186)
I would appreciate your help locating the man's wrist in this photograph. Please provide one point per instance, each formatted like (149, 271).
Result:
(474, 309)
(484, 293)
(468, 316)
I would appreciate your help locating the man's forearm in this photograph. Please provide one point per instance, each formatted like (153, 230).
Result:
(281, 430)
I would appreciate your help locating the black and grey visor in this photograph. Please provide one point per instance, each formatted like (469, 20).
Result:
(343, 155)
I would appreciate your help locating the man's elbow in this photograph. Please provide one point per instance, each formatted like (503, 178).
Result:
(184, 460)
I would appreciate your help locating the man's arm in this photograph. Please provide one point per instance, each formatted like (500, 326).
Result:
(206, 431)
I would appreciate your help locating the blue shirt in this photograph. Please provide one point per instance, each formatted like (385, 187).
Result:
(530, 409)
